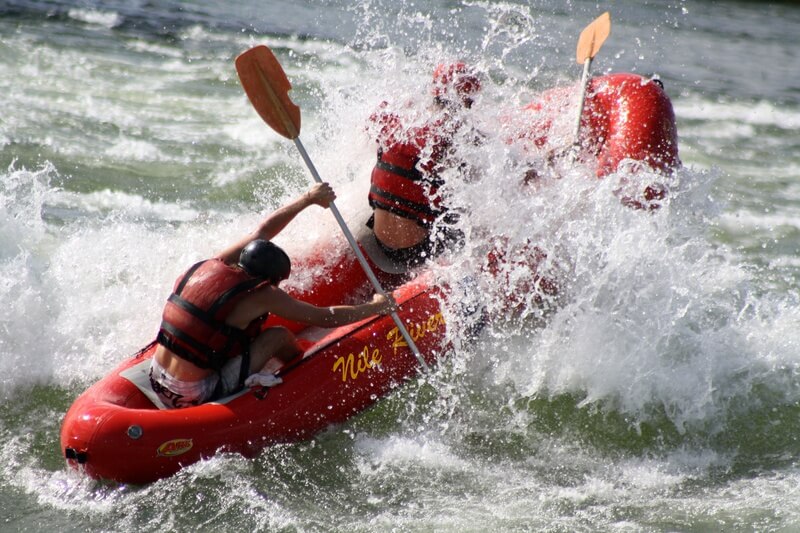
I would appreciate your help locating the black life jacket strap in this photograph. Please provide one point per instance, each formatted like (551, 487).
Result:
(409, 173)
(378, 194)
(411, 256)
(189, 273)
(244, 372)
(233, 292)
(204, 316)
(168, 335)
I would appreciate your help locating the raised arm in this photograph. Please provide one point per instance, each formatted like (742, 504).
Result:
(320, 194)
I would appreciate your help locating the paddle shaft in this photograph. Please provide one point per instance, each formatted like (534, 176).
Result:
(361, 259)
(584, 82)
(591, 39)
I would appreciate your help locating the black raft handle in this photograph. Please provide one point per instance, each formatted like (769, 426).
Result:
(71, 453)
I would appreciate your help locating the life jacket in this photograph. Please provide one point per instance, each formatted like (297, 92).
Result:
(193, 323)
(400, 182)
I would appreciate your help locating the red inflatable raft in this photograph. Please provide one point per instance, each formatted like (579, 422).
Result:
(626, 118)
(114, 431)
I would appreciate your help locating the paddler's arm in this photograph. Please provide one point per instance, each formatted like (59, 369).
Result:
(320, 194)
(271, 299)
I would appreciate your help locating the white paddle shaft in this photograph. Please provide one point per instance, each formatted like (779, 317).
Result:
(360, 256)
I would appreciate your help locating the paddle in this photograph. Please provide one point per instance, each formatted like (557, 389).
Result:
(267, 87)
(589, 43)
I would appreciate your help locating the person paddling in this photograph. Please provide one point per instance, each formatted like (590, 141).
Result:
(407, 175)
(211, 337)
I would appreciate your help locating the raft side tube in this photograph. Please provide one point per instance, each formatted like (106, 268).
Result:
(114, 432)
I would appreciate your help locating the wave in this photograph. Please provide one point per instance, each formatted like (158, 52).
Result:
(758, 113)
(167, 19)
(658, 391)
(106, 19)
(668, 344)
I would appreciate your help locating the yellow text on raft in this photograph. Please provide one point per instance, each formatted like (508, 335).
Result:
(354, 365)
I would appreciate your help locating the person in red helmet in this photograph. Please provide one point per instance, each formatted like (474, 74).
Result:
(405, 182)
(455, 83)
(212, 338)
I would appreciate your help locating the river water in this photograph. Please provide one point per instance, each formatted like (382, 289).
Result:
(659, 392)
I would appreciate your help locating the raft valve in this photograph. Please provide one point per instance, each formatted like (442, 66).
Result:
(135, 432)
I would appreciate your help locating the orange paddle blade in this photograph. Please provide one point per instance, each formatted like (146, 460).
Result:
(268, 88)
(593, 37)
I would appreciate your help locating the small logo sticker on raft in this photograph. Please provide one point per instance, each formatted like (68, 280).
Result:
(174, 447)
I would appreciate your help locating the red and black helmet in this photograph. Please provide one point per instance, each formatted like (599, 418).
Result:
(453, 81)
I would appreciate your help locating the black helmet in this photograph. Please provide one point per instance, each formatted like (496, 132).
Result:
(262, 259)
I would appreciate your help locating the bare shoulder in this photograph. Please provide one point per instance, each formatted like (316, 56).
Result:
(269, 297)
(266, 291)
(264, 299)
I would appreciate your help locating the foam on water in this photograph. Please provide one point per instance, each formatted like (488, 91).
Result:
(25, 244)
(655, 319)
(106, 19)
(759, 113)
(658, 318)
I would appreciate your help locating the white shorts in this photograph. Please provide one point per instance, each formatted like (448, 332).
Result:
(175, 393)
